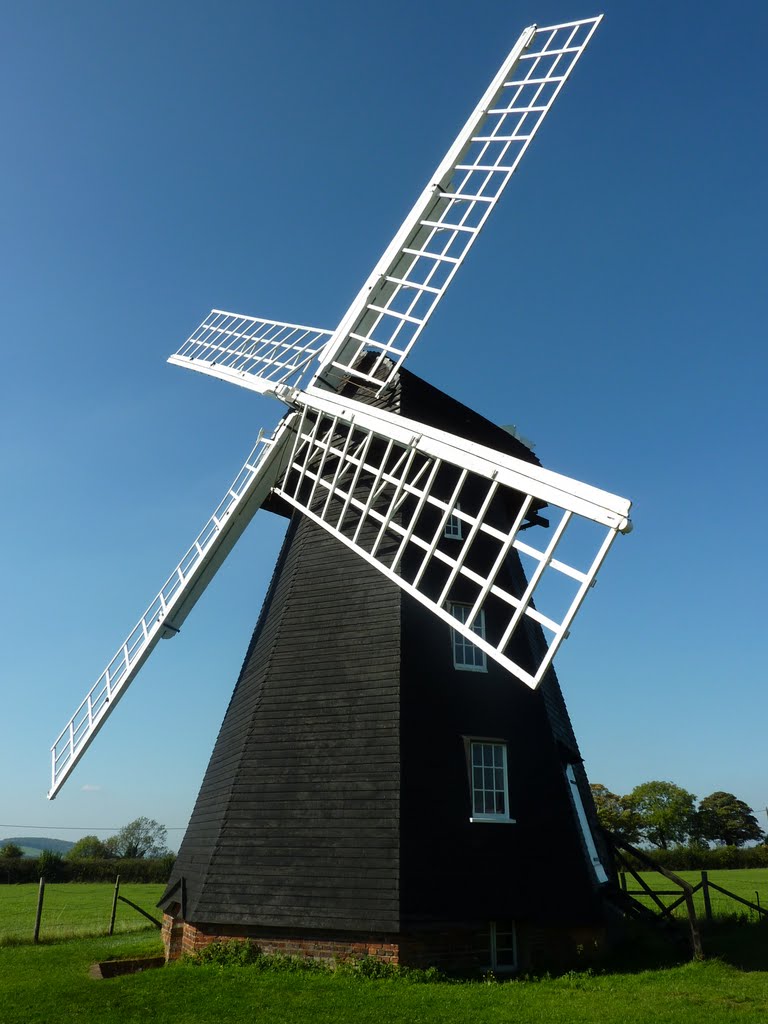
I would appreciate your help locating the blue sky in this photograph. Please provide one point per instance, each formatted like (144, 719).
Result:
(163, 159)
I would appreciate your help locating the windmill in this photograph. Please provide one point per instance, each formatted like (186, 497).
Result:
(418, 557)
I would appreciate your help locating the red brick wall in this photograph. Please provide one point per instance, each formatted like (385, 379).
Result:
(460, 948)
(182, 937)
(172, 935)
(454, 948)
(560, 947)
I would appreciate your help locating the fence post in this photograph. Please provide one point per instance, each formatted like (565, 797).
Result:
(698, 952)
(114, 905)
(705, 893)
(39, 914)
(623, 880)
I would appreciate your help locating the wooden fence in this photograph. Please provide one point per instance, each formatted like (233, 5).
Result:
(683, 892)
(705, 886)
(116, 898)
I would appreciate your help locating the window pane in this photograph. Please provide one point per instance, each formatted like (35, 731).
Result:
(505, 946)
(489, 780)
(453, 527)
(465, 653)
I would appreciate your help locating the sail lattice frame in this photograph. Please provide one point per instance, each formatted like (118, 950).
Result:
(393, 307)
(174, 601)
(251, 351)
(388, 487)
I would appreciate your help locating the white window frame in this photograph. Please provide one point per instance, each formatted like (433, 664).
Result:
(495, 936)
(589, 840)
(460, 644)
(483, 815)
(453, 529)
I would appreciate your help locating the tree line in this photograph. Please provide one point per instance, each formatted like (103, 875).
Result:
(141, 838)
(663, 815)
(137, 852)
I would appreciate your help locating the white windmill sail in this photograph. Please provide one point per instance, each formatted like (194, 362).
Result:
(388, 487)
(250, 351)
(393, 306)
(175, 600)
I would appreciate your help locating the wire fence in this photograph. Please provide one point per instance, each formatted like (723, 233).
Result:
(716, 894)
(43, 912)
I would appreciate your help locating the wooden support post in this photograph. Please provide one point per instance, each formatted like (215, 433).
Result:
(623, 880)
(705, 893)
(149, 917)
(114, 906)
(698, 952)
(39, 914)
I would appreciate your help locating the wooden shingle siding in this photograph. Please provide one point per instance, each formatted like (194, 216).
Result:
(308, 757)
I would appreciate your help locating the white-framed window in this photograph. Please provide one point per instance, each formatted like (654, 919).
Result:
(503, 946)
(453, 526)
(488, 781)
(466, 655)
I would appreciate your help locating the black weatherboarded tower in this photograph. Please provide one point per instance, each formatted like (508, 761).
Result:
(378, 786)
(396, 774)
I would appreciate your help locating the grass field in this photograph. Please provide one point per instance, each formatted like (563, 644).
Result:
(49, 981)
(72, 909)
(40, 984)
(749, 883)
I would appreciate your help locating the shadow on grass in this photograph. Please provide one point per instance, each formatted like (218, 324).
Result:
(738, 941)
(742, 943)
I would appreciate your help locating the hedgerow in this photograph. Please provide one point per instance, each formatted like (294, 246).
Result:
(54, 868)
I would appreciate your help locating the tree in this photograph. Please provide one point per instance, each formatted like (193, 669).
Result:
(724, 819)
(50, 865)
(666, 813)
(143, 837)
(88, 848)
(615, 814)
(11, 851)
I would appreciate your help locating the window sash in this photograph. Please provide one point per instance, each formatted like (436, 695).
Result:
(453, 530)
(503, 946)
(488, 781)
(466, 655)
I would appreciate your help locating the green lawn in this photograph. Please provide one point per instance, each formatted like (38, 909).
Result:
(40, 984)
(744, 882)
(72, 909)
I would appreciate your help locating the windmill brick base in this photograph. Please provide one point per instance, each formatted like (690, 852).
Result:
(452, 949)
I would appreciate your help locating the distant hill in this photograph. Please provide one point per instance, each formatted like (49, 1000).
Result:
(33, 845)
